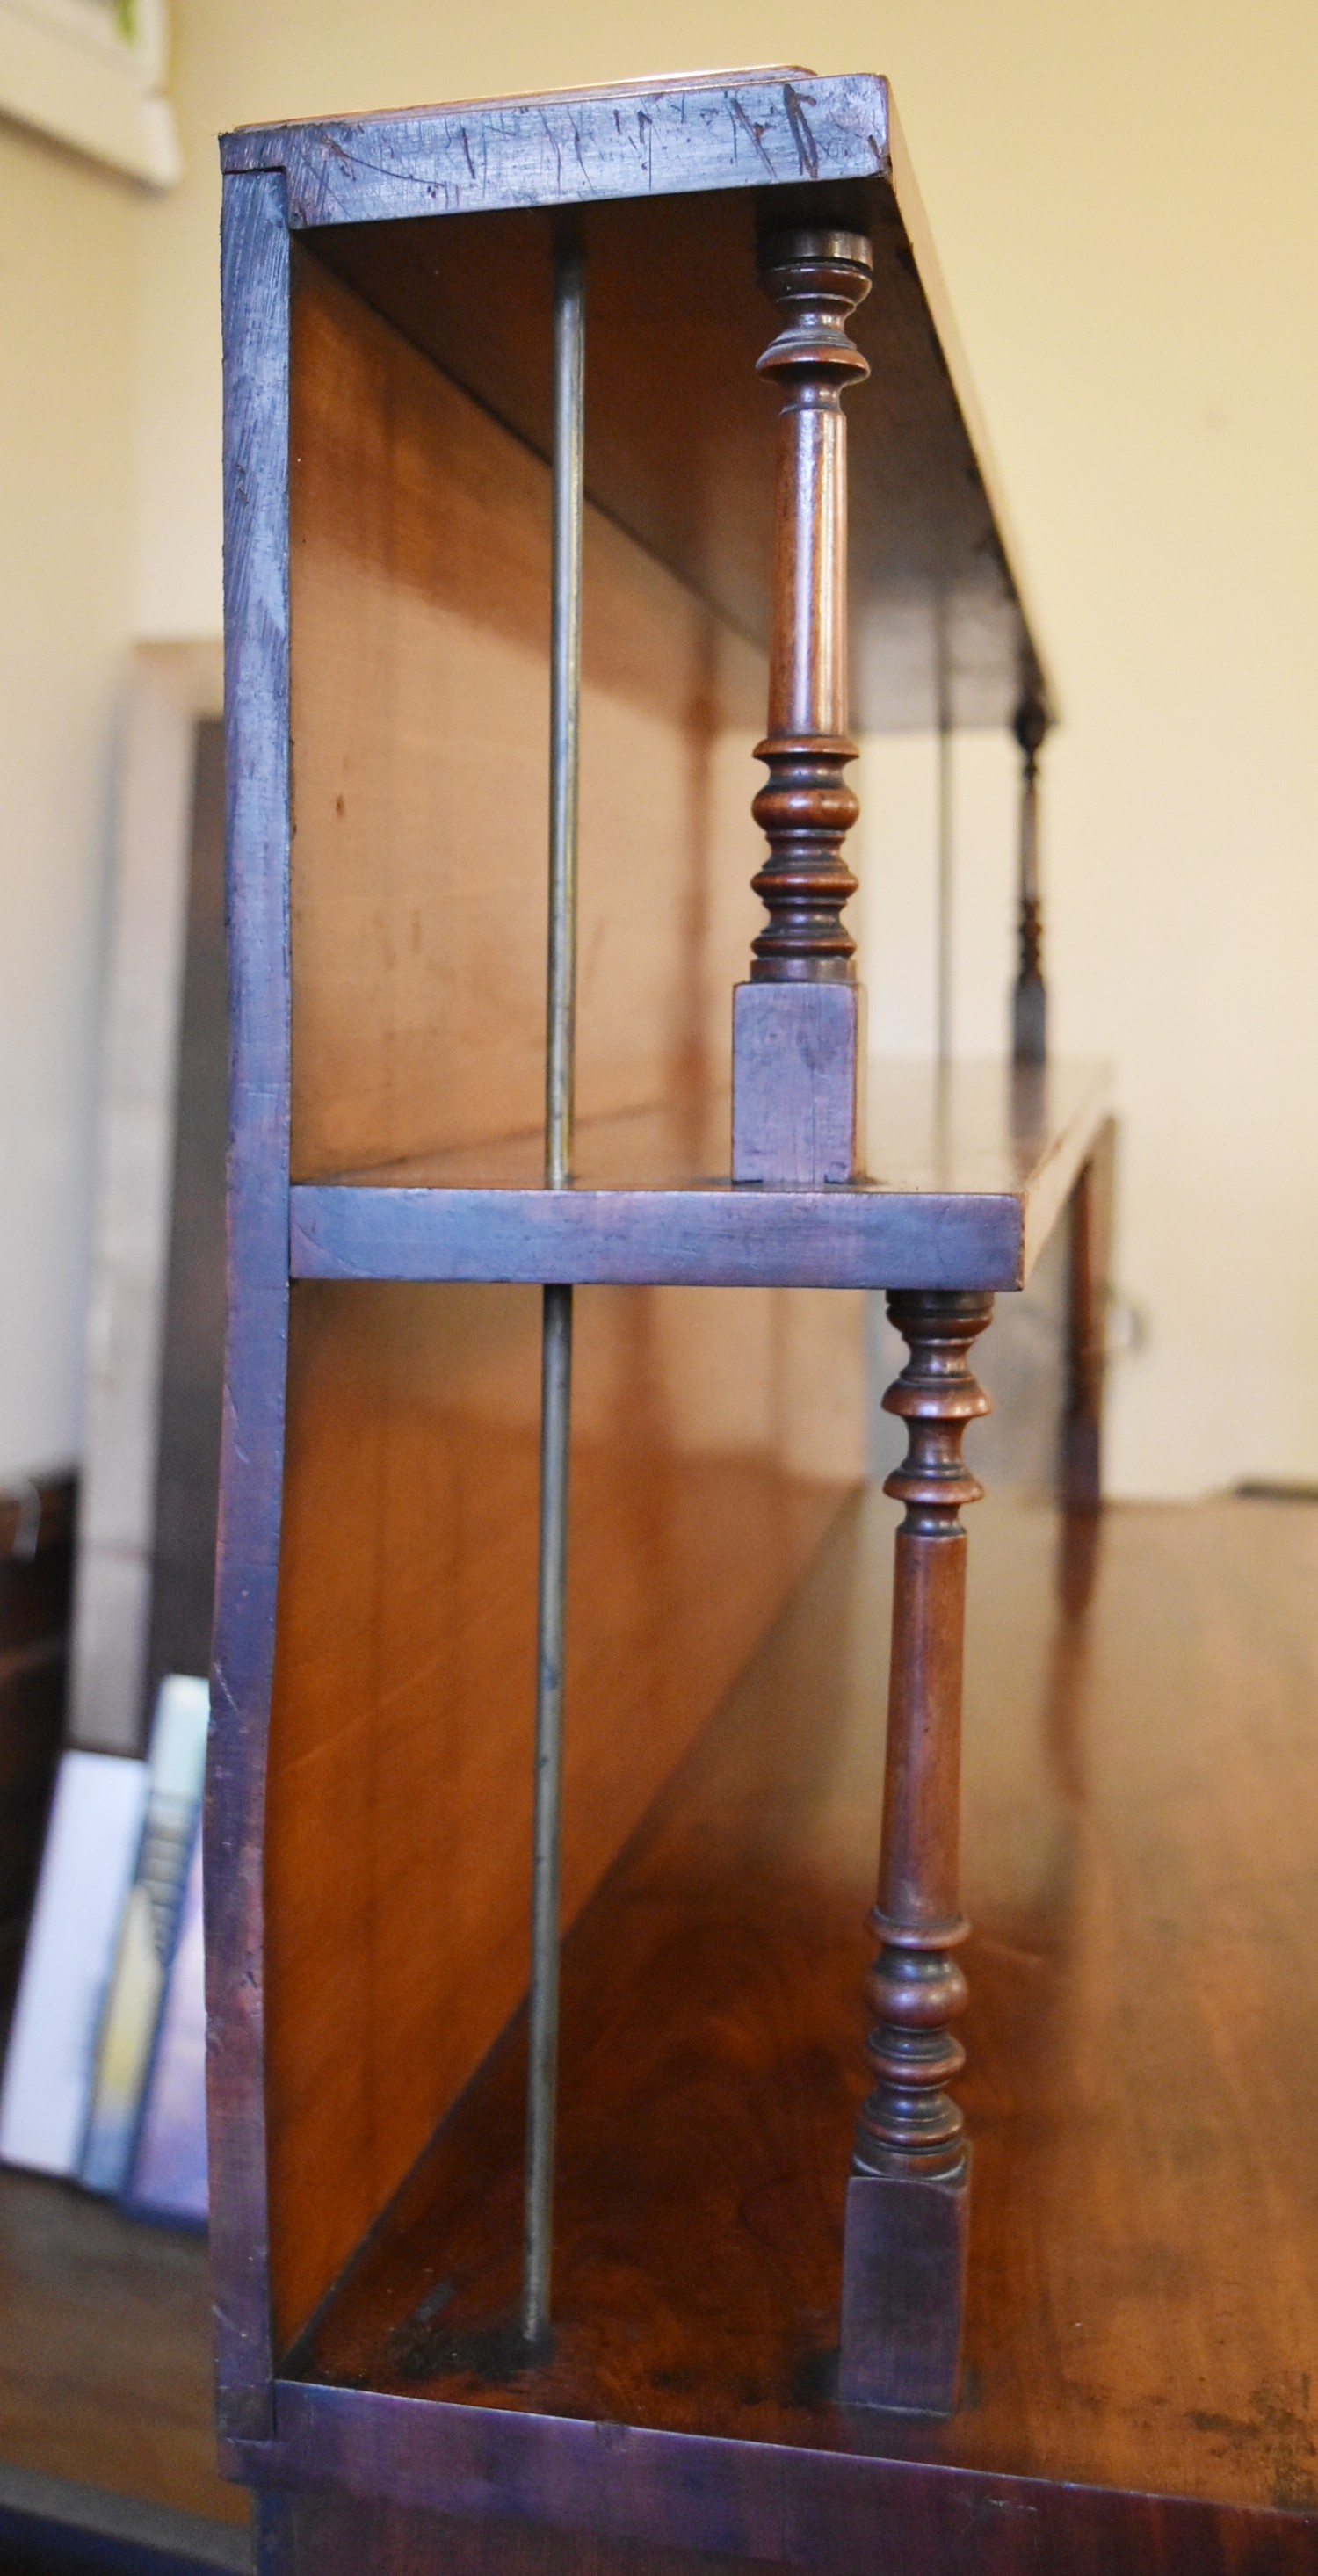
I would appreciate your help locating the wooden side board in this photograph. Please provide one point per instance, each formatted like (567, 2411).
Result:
(255, 265)
(385, 625)
(387, 596)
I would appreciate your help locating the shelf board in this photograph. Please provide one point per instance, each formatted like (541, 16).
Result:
(1141, 1794)
(972, 1169)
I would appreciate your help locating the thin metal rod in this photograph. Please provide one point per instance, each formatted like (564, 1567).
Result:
(565, 704)
(946, 854)
(542, 2065)
(556, 1345)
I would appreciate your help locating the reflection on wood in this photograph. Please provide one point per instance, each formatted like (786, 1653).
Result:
(1138, 1870)
(420, 609)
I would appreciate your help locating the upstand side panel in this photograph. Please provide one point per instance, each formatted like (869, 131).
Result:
(255, 291)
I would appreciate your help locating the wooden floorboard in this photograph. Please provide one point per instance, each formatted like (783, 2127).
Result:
(1141, 1863)
(105, 2351)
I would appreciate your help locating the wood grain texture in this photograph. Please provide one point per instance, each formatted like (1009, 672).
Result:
(571, 146)
(1141, 1790)
(667, 186)
(973, 1170)
(672, 284)
(713, 1438)
(798, 1026)
(810, 2513)
(256, 325)
(105, 2351)
(904, 2241)
(806, 805)
(420, 612)
(798, 1085)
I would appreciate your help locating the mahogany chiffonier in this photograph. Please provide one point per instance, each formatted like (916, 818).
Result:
(558, 1162)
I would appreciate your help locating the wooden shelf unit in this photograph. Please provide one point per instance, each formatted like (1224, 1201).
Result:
(389, 287)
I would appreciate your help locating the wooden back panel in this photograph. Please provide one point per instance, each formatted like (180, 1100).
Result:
(399, 1795)
(420, 622)
(714, 1432)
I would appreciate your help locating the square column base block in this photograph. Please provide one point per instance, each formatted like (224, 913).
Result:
(903, 2292)
(798, 1057)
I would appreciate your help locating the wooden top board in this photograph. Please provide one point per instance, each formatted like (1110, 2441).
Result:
(972, 1167)
(443, 219)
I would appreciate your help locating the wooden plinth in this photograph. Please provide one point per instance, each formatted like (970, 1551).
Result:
(1140, 1849)
(798, 1057)
(903, 2292)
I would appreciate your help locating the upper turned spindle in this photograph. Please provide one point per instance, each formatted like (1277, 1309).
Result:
(806, 808)
(797, 1056)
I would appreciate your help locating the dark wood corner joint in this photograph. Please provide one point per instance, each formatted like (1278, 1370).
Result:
(905, 2242)
(797, 1053)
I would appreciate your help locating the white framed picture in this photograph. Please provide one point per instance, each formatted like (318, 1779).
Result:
(92, 73)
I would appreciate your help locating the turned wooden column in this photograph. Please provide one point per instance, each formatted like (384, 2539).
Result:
(1029, 1001)
(798, 1029)
(903, 2280)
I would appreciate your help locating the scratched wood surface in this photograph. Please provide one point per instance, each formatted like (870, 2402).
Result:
(255, 301)
(1140, 1850)
(442, 218)
(420, 625)
(713, 1439)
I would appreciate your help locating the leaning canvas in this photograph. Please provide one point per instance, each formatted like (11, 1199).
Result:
(91, 1846)
(168, 2178)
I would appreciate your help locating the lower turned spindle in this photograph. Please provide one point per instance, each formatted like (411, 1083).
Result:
(904, 2258)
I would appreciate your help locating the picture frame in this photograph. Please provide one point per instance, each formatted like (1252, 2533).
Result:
(91, 73)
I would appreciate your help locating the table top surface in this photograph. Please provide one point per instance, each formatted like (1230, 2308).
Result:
(1140, 1847)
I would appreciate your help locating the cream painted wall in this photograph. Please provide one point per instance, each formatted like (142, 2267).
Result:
(1124, 207)
(67, 250)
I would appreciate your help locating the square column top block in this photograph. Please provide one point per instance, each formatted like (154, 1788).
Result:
(443, 218)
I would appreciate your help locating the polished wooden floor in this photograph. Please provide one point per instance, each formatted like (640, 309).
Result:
(1141, 1863)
